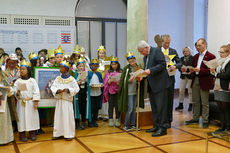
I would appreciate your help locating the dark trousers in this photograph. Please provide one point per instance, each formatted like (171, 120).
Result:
(170, 100)
(113, 104)
(158, 102)
(95, 103)
(82, 102)
(224, 108)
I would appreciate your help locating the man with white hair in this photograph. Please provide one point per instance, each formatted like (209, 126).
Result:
(158, 82)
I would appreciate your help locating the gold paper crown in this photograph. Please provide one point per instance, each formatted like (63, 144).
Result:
(25, 63)
(59, 51)
(65, 64)
(114, 59)
(94, 61)
(80, 60)
(76, 49)
(129, 55)
(33, 56)
(101, 48)
(51, 53)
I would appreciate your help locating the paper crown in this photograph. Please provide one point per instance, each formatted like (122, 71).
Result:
(76, 49)
(33, 56)
(59, 51)
(25, 63)
(129, 55)
(65, 64)
(51, 53)
(80, 60)
(101, 48)
(114, 59)
(94, 61)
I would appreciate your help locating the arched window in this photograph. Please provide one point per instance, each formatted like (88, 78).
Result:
(102, 22)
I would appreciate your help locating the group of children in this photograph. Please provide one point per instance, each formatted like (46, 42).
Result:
(82, 89)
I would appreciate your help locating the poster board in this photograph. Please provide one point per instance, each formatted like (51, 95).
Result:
(44, 77)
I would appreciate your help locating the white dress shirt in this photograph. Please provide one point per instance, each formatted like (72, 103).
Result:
(200, 59)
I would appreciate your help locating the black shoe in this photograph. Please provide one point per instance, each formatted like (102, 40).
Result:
(55, 138)
(190, 107)
(218, 131)
(152, 130)
(82, 125)
(40, 131)
(168, 125)
(159, 133)
(69, 139)
(205, 125)
(180, 106)
(90, 124)
(192, 121)
(95, 125)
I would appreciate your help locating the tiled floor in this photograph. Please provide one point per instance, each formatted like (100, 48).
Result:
(180, 139)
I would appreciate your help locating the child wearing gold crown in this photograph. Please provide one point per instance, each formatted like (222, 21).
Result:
(82, 106)
(104, 64)
(59, 56)
(34, 60)
(28, 95)
(111, 81)
(127, 93)
(51, 58)
(64, 89)
(96, 90)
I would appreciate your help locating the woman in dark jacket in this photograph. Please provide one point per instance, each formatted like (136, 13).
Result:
(185, 79)
(221, 89)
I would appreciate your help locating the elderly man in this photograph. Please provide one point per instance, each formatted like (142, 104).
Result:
(158, 82)
(201, 84)
(167, 51)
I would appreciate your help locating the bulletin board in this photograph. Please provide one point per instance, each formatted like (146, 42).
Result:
(32, 38)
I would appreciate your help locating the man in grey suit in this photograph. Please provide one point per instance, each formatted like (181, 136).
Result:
(166, 39)
(158, 82)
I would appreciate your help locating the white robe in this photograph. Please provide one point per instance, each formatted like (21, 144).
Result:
(64, 123)
(27, 115)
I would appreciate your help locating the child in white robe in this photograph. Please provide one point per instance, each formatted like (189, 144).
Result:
(63, 89)
(28, 95)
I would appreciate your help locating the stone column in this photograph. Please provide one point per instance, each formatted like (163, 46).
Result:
(137, 26)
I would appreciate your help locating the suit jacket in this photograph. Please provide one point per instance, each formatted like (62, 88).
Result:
(224, 77)
(206, 81)
(186, 63)
(158, 78)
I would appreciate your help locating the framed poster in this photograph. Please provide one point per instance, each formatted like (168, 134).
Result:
(45, 77)
(3, 99)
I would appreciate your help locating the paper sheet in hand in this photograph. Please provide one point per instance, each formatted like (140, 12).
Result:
(3, 101)
(22, 87)
(106, 62)
(171, 73)
(138, 73)
(115, 78)
(187, 68)
(82, 75)
(212, 63)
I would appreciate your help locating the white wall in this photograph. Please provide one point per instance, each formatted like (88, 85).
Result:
(218, 24)
(183, 20)
(38, 7)
(102, 8)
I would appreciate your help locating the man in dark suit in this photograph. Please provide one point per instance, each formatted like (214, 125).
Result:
(166, 39)
(158, 82)
(201, 84)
